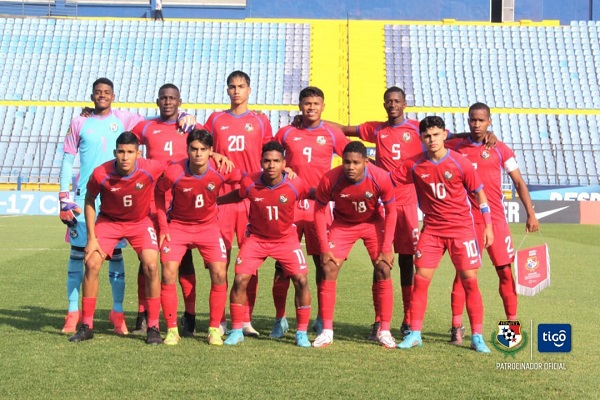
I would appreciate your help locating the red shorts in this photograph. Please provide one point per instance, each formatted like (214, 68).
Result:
(304, 219)
(502, 250)
(406, 234)
(343, 236)
(141, 235)
(204, 237)
(464, 252)
(288, 253)
(233, 221)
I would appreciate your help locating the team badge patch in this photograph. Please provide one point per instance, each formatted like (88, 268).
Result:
(139, 186)
(211, 186)
(283, 199)
(331, 245)
(509, 337)
(485, 154)
(448, 175)
(238, 261)
(321, 140)
(113, 127)
(418, 254)
(166, 249)
(406, 137)
(369, 195)
(532, 263)
(73, 233)
(249, 127)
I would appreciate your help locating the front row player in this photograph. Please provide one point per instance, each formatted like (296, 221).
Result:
(191, 222)
(126, 186)
(271, 233)
(442, 179)
(356, 188)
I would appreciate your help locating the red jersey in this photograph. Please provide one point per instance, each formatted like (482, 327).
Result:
(442, 191)
(194, 196)
(240, 138)
(162, 139)
(356, 202)
(489, 163)
(309, 151)
(393, 145)
(272, 208)
(125, 198)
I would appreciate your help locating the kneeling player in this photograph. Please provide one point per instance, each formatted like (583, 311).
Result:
(125, 186)
(356, 188)
(191, 222)
(271, 233)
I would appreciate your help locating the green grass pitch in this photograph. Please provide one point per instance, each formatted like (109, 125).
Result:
(39, 362)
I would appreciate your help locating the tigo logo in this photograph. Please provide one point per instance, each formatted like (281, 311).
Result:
(554, 338)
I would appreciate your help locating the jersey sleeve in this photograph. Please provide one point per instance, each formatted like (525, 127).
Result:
(339, 139)
(71, 141)
(387, 188)
(280, 135)
(235, 176)
(323, 193)
(138, 130)
(366, 131)
(402, 175)
(129, 119)
(267, 129)
(472, 181)
(244, 186)
(508, 157)
(93, 185)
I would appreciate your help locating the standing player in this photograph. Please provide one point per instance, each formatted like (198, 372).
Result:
(93, 138)
(442, 179)
(191, 221)
(490, 163)
(164, 141)
(271, 233)
(356, 189)
(126, 187)
(239, 135)
(309, 150)
(396, 140)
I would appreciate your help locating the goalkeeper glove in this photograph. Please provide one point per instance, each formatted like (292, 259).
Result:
(68, 210)
(185, 128)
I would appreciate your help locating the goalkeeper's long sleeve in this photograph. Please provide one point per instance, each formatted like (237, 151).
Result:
(66, 172)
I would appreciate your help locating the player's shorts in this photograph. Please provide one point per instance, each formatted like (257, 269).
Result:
(406, 234)
(141, 235)
(464, 252)
(502, 250)
(77, 235)
(304, 219)
(233, 221)
(204, 237)
(343, 236)
(255, 250)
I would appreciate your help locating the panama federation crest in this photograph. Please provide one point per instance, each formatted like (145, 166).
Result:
(139, 186)
(369, 195)
(532, 263)
(509, 337)
(113, 127)
(406, 137)
(448, 175)
(485, 154)
(211, 186)
(283, 199)
(321, 140)
(249, 127)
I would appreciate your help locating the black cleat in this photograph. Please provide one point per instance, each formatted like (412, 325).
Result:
(188, 325)
(84, 333)
(405, 330)
(153, 336)
(374, 335)
(141, 325)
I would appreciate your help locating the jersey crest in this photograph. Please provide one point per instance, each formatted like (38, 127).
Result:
(406, 137)
(485, 154)
(283, 199)
(448, 175)
(369, 195)
(249, 127)
(114, 127)
(321, 140)
(211, 186)
(139, 186)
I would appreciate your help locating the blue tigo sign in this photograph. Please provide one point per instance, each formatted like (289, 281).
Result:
(28, 203)
(554, 338)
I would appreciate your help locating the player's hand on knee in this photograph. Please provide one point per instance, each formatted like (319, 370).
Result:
(69, 210)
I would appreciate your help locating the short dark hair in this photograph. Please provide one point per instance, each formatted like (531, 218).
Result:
(356, 147)
(480, 106)
(394, 89)
(128, 137)
(238, 74)
(201, 135)
(168, 86)
(431, 122)
(272, 146)
(311, 91)
(103, 81)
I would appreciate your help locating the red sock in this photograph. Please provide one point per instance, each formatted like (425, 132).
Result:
(327, 293)
(141, 280)
(88, 308)
(280, 290)
(188, 288)
(216, 303)
(418, 302)
(457, 301)
(474, 305)
(508, 291)
(168, 299)
(376, 304)
(153, 311)
(386, 301)
(251, 290)
(406, 296)
(302, 318)
(237, 315)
